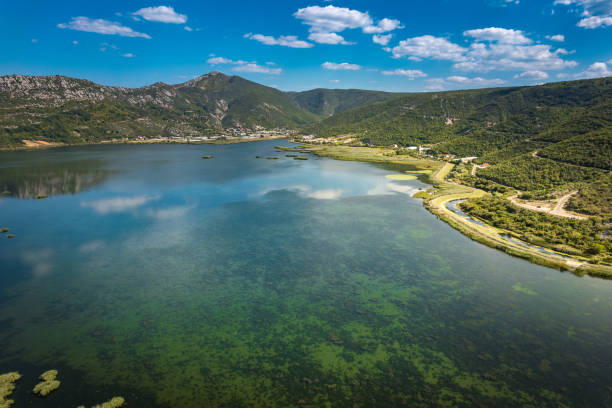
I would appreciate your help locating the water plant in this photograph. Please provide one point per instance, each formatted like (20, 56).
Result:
(7, 385)
(207, 157)
(48, 385)
(41, 196)
(300, 158)
(6, 192)
(272, 158)
(4, 230)
(291, 155)
(114, 402)
(10, 236)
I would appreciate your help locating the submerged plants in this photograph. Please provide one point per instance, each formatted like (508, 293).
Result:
(6, 192)
(3, 230)
(48, 385)
(7, 385)
(114, 402)
(207, 157)
(10, 236)
(41, 196)
(300, 158)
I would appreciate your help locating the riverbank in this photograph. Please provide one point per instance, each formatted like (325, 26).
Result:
(30, 145)
(442, 192)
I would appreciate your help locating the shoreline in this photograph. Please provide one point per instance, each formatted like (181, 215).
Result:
(230, 140)
(442, 192)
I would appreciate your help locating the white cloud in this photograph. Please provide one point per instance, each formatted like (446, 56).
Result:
(557, 37)
(121, 204)
(328, 38)
(596, 70)
(100, 26)
(128, 55)
(595, 22)
(382, 39)
(428, 46)
(161, 14)
(384, 26)
(187, 28)
(91, 246)
(596, 13)
(245, 66)
(332, 19)
(75, 42)
(219, 60)
(34, 40)
(343, 66)
(475, 81)
(257, 69)
(326, 22)
(410, 73)
(532, 75)
(492, 49)
(334, 81)
(435, 84)
(290, 41)
(499, 35)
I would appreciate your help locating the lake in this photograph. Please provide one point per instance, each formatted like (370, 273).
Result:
(238, 281)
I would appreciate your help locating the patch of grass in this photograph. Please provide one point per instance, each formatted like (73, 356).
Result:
(401, 177)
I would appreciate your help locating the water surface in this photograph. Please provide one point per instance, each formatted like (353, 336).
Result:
(232, 282)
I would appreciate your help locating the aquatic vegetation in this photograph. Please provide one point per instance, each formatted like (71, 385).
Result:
(6, 192)
(401, 177)
(48, 385)
(3, 230)
(114, 402)
(520, 288)
(258, 157)
(41, 196)
(10, 236)
(300, 158)
(207, 157)
(291, 155)
(7, 385)
(272, 158)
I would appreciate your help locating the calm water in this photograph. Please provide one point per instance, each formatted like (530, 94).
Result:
(180, 282)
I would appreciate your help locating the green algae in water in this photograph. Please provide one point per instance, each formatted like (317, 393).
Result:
(285, 300)
(7, 385)
(48, 385)
(520, 288)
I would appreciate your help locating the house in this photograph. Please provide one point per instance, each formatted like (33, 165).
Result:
(412, 148)
(308, 137)
(465, 160)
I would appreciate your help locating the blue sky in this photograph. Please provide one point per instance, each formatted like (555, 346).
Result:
(297, 45)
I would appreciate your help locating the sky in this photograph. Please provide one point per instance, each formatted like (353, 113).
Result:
(401, 46)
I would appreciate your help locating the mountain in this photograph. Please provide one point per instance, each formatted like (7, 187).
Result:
(478, 122)
(328, 102)
(69, 110)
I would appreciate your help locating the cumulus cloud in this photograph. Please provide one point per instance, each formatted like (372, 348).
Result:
(410, 73)
(557, 37)
(100, 26)
(492, 49)
(595, 22)
(532, 75)
(596, 70)
(475, 81)
(428, 46)
(326, 22)
(343, 66)
(290, 41)
(596, 13)
(257, 69)
(39, 261)
(382, 39)
(499, 35)
(328, 38)
(128, 55)
(219, 60)
(161, 14)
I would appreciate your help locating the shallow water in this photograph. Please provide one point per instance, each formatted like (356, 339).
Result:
(180, 282)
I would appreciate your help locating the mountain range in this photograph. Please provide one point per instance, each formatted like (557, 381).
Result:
(69, 110)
